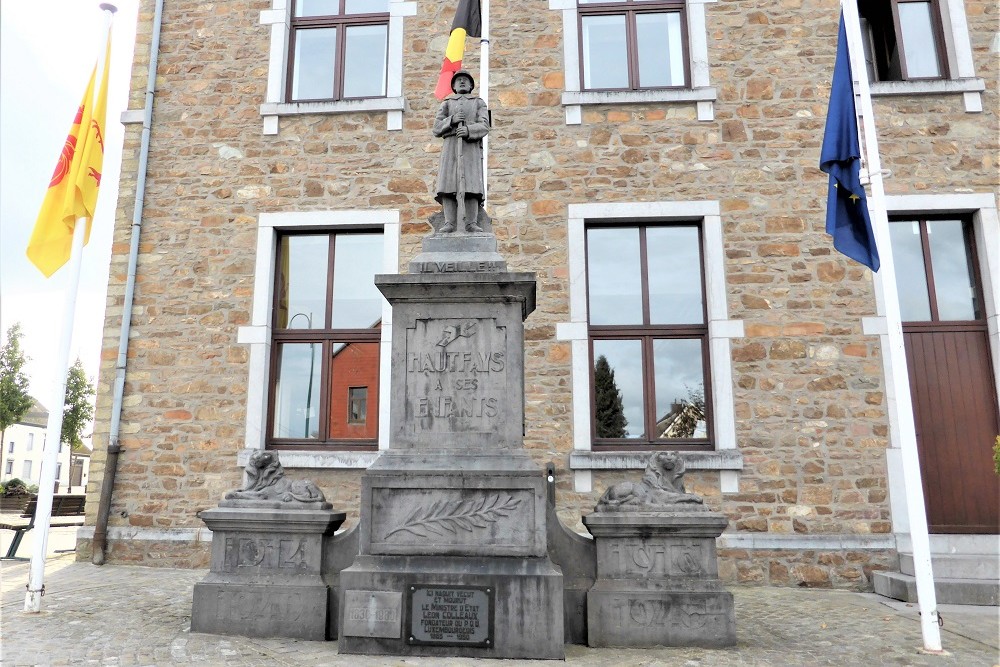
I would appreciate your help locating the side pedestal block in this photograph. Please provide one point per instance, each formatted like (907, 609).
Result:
(658, 581)
(265, 578)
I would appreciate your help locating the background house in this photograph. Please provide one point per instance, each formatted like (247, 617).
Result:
(655, 163)
(23, 447)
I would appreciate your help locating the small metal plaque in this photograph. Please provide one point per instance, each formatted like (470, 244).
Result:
(373, 614)
(450, 615)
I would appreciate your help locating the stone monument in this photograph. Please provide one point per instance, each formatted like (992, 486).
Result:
(266, 575)
(657, 568)
(453, 554)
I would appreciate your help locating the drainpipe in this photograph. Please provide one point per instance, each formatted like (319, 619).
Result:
(114, 447)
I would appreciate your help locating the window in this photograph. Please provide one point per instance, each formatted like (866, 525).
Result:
(338, 49)
(648, 334)
(10, 468)
(10, 447)
(632, 44)
(335, 56)
(357, 405)
(58, 470)
(326, 336)
(937, 255)
(904, 40)
(26, 471)
(31, 441)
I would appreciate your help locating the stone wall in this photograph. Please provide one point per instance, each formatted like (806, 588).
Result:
(809, 390)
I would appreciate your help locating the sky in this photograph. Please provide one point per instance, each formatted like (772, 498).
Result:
(47, 50)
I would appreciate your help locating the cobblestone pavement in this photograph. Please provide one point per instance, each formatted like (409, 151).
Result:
(122, 615)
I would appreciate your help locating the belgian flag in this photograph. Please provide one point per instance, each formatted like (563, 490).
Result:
(468, 23)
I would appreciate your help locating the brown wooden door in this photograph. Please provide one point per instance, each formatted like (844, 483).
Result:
(951, 373)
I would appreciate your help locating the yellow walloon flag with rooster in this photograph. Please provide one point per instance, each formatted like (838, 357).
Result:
(72, 192)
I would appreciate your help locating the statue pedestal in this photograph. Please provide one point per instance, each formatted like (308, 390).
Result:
(658, 581)
(265, 578)
(453, 546)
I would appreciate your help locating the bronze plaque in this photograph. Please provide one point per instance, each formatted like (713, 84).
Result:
(450, 615)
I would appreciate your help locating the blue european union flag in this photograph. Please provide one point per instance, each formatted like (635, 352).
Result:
(847, 219)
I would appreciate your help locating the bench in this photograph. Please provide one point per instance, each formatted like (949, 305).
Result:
(62, 506)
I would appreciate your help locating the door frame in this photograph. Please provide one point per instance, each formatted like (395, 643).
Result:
(986, 228)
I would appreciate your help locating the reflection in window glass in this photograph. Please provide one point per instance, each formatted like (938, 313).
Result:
(605, 54)
(316, 7)
(618, 393)
(954, 282)
(357, 303)
(614, 275)
(661, 61)
(365, 60)
(354, 369)
(314, 66)
(680, 389)
(303, 262)
(357, 405)
(919, 45)
(907, 251)
(366, 6)
(297, 390)
(673, 257)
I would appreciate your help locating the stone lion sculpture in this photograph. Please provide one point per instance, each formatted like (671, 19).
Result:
(266, 482)
(661, 489)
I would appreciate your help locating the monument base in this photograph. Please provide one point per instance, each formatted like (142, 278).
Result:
(265, 578)
(483, 607)
(658, 581)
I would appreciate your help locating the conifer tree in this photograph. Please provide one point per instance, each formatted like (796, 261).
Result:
(609, 411)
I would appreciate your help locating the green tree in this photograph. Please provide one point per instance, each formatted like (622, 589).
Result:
(15, 401)
(609, 411)
(78, 409)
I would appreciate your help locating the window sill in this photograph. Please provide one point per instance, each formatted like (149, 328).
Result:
(970, 88)
(723, 459)
(313, 459)
(704, 97)
(393, 106)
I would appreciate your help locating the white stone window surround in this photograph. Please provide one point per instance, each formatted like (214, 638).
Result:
(986, 228)
(700, 91)
(958, 50)
(279, 17)
(258, 333)
(726, 458)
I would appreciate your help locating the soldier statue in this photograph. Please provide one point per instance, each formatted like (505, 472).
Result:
(462, 121)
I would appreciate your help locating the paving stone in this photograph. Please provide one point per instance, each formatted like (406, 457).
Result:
(132, 616)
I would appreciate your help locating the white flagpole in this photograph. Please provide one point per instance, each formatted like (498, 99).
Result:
(893, 350)
(484, 81)
(53, 428)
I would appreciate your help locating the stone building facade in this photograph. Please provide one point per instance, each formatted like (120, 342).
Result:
(797, 445)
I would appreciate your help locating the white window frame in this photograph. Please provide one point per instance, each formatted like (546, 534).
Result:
(726, 459)
(279, 18)
(258, 333)
(958, 53)
(699, 91)
(26, 471)
(986, 229)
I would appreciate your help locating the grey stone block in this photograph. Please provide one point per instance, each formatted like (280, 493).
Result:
(525, 608)
(266, 574)
(657, 581)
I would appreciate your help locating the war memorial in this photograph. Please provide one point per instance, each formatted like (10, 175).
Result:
(458, 551)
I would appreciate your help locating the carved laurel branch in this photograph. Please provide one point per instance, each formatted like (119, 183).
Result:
(452, 516)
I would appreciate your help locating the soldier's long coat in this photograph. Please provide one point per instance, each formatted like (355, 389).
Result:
(477, 119)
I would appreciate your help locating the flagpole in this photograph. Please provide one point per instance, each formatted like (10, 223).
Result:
(894, 352)
(53, 429)
(484, 81)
